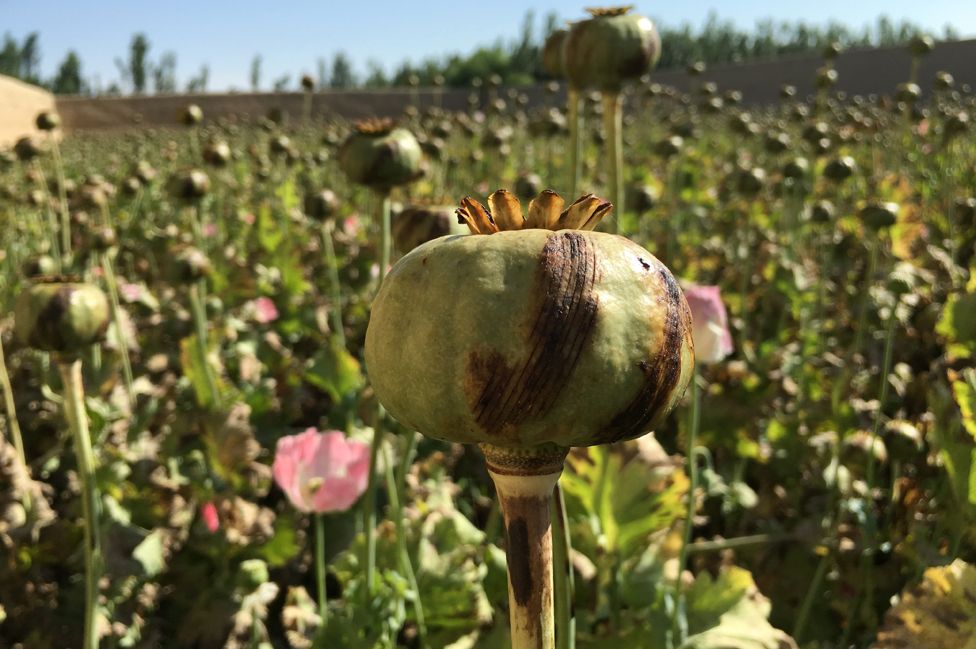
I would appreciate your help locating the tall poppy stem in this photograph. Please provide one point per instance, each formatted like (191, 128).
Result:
(11, 408)
(525, 484)
(679, 622)
(563, 580)
(333, 268)
(613, 130)
(77, 416)
(575, 143)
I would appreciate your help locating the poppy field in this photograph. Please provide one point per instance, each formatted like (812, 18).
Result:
(630, 368)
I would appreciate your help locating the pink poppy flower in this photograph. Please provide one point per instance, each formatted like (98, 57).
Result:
(209, 229)
(208, 511)
(130, 292)
(248, 218)
(263, 310)
(321, 472)
(710, 328)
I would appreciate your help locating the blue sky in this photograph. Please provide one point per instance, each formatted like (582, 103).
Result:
(292, 34)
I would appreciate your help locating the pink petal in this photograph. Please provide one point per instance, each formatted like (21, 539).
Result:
(210, 518)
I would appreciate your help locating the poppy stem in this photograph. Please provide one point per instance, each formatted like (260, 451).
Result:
(525, 484)
(613, 130)
(10, 407)
(679, 622)
(563, 581)
(320, 568)
(77, 416)
(575, 143)
(333, 268)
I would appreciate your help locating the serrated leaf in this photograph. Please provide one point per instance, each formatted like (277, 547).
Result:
(958, 325)
(939, 613)
(335, 371)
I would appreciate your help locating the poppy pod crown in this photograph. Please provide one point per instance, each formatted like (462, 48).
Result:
(532, 333)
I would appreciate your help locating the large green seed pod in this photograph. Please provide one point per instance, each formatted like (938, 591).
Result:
(542, 334)
(62, 317)
(611, 47)
(380, 156)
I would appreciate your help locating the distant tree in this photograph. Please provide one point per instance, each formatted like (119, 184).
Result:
(138, 63)
(342, 72)
(281, 83)
(256, 73)
(30, 58)
(10, 57)
(164, 73)
(199, 82)
(323, 74)
(68, 80)
(375, 76)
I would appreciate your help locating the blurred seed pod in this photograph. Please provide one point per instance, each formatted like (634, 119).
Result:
(908, 92)
(641, 198)
(48, 120)
(877, 214)
(943, 81)
(28, 147)
(418, 224)
(308, 83)
(777, 142)
(787, 91)
(840, 169)
(696, 69)
(955, 125)
(902, 279)
(921, 45)
(433, 147)
(61, 316)
(832, 50)
(796, 169)
(732, 97)
(41, 266)
(103, 238)
(381, 156)
(191, 185)
(669, 146)
(191, 265)
(131, 185)
(749, 182)
(497, 137)
(279, 145)
(548, 123)
(821, 212)
(609, 48)
(855, 449)
(217, 153)
(964, 209)
(145, 172)
(192, 115)
(321, 205)
(903, 440)
(814, 132)
(528, 186)
(826, 78)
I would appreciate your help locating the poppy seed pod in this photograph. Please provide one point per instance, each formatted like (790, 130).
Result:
(191, 265)
(527, 186)
(826, 77)
(192, 115)
(908, 92)
(415, 225)
(944, 81)
(27, 148)
(552, 54)
(840, 169)
(611, 47)
(822, 212)
(321, 205)
(380, 156)
(552, 335)
(217, 153)
(965, 208)
(192, 185)
(641, 198)
(43, 265)
(48, 120)
(832, 50)
(308, 83)
(877, 215)
(921, 45)
(61, 316)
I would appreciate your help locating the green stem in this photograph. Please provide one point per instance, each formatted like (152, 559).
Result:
(369, 505)
(333, 268)
(738, 542)
(200, 320)
(613, 130)
(812, 593)
(62, 199)
(113, 292)
(320, 568)
(77, 416)
(564, 587)
(11, 409)
(866, 296)
(575, 143)
(679, 623)
(403, 554)
(52, 223)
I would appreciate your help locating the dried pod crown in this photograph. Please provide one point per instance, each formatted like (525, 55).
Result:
(545, 213)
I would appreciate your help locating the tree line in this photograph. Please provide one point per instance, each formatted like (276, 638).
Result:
(515, 61)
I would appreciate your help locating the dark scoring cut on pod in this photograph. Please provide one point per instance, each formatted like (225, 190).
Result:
(661, 373)
(501, 395)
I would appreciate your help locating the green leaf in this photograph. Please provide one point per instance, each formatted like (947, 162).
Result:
(283, 546)
(269, 233)
(150, 553)
(958, 325)
(940, 613)
(194, 364)
(621, 497)
(335, 371)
